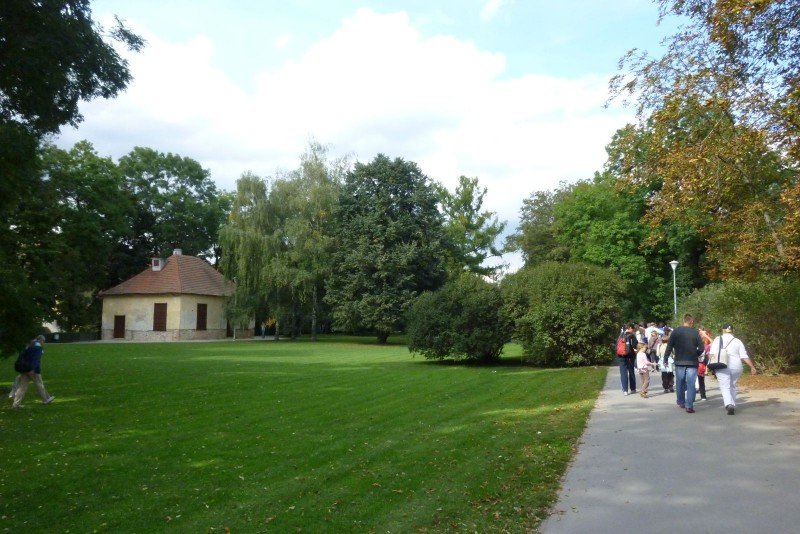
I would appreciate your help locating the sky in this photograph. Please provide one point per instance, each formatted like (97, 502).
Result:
(512, 92)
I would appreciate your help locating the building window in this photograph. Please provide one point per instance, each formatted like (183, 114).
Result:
(160, 317)
(202, 316)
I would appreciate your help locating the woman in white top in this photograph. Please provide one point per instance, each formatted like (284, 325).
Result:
(729, 376)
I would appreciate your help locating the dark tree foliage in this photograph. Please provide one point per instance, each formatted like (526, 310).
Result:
(389, 235)
(52, 56)
(75, 219)
(177, 206)
(463, 320)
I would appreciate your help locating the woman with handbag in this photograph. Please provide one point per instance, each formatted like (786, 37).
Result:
(729, 351)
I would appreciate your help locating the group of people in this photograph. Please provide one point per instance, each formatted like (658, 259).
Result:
(682, 356)
(29, 367)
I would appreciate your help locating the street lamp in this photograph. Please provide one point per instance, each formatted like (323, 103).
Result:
(674, 265)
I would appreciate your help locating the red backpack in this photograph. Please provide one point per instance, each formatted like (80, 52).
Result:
(622, 346)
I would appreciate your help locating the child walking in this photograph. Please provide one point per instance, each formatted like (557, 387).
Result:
(667, 367)
(643, 365)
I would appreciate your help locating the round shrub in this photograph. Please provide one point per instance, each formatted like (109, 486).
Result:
(765, 314)
(564, 314)
(462, 321)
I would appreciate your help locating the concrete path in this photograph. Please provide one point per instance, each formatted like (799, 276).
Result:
(645, 466)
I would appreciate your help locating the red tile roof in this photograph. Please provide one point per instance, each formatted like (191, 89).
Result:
(180, 275)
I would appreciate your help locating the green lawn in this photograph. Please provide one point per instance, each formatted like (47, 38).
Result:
(336, 436)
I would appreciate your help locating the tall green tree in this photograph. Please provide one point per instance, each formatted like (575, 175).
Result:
(52, 57)
(79, 216)
(389, 245)
(310, 194)
(471, 232)
(177, 203)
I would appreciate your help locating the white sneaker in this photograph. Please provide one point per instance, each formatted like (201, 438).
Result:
(50, 399)
(626, 393)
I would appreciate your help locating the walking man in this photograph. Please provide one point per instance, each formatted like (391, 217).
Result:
(687, 345)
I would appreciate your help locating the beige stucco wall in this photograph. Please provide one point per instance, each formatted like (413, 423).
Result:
(181, 317)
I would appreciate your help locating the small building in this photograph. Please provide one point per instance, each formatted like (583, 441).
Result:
(178, 298)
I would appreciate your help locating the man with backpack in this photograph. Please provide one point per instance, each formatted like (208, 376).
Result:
(29, 367)
(626, 356)
(685, 341)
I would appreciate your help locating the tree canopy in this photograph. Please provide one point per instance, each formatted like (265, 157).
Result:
(52, 56)
(390, 243)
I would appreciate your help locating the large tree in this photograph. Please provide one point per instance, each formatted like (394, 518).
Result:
(389, 245)
(310, 195)
(177, 203)
(277, 242)
(718, 121)
(79, 215)
(52, 56)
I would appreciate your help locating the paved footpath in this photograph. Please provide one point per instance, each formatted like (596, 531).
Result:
(645, 466)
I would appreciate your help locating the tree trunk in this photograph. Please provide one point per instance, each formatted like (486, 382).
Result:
(314, 313)
(382, 337)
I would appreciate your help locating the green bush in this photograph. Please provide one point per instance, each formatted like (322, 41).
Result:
(765, 314)
(463, 321)
(565, 314)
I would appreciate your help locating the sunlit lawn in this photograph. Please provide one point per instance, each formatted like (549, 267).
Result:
(336, 436)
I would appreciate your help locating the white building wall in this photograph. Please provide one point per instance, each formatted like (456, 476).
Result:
(181, 317)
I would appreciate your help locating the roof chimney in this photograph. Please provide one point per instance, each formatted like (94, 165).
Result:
(177, 252)
(156, 264)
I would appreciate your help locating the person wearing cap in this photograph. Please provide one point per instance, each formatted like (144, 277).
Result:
(688, 347)
(728, 377)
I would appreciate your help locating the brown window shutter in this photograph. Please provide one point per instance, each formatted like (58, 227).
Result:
(160, 317)
(202, 316)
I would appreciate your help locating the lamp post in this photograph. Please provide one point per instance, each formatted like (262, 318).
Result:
(674, 265)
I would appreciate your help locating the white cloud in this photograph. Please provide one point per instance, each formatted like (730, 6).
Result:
(491, 8)
(374, 85)
(282, 40)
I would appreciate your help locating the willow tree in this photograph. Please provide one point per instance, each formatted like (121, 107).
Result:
(245, 245)
(277, 242)
(309, 195)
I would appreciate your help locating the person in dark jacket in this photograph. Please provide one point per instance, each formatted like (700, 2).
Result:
(627, 370)
(34, 353)
(687, 346)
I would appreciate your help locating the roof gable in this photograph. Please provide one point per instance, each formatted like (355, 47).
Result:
(180, 275)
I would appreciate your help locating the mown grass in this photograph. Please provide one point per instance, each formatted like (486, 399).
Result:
(333, 436)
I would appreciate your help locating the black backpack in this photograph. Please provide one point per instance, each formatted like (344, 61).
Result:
(23, 363)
